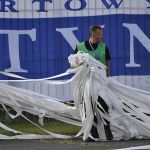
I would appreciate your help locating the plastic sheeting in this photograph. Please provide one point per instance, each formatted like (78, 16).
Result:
(128, 113)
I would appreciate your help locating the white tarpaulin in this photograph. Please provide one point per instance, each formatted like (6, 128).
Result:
(127, 113)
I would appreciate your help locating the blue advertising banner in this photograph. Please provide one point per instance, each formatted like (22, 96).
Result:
(37, 36)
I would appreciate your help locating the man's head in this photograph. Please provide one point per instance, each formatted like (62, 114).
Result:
(96, 34)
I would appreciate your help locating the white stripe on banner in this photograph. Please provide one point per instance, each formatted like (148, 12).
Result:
(139, 82)
(71, 8)
(136, 148)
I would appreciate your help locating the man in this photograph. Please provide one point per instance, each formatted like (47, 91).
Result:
(96, 47)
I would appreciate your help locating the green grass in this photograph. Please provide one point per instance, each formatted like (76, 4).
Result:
(51, 125)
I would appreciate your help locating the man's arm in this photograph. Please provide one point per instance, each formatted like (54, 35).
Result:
(76, 50)
(108, 58)
(108, 68)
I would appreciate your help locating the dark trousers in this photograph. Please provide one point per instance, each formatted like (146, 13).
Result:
(108, 132)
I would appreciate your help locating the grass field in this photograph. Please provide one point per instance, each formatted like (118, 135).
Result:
(50, 125)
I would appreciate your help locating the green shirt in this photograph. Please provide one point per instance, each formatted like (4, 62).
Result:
(98, 53)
